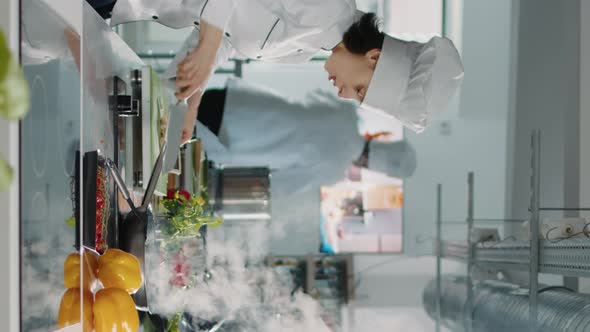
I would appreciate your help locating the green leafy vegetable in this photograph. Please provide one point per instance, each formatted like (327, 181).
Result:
(173, 323)
(70, 221)
(4, 57)
(14, 99)
(187, 213)
(14, 91)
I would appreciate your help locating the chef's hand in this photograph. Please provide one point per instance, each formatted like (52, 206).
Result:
(194, 71)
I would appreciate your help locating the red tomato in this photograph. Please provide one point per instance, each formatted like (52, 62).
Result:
(170, 193)
(184, 193)
(180, 271)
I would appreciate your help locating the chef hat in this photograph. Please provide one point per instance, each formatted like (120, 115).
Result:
(396, 159)
(413, 82)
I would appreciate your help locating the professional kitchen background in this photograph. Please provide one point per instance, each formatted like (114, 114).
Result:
(376, 287)
(526, 68)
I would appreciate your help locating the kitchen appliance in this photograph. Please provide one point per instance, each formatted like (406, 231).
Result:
(240, 194)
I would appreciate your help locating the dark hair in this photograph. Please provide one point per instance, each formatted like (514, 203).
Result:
(363, 35)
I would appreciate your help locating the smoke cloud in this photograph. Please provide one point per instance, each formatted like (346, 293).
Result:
(240, 289)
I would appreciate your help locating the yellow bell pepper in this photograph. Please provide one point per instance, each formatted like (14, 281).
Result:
(118, 269)
(69, 309)
(72, 269)
(114, 311)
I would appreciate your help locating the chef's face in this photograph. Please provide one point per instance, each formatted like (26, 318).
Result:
(351, 73)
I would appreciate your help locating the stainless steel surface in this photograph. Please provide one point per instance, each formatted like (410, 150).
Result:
(241, 194)
(154, 176)
(471, 253)
(174, 134)
(534, 227)
(191, 160)
(120, 183)
(105, 56)
(146, 124)
(504, 307)
(438, 248)
(568, 257)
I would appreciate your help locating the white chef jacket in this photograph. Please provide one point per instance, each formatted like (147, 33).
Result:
(260, 127)
(306, 144)
(412, 84)
(288, 31)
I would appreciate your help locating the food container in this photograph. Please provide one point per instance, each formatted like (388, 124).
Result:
(172, 264)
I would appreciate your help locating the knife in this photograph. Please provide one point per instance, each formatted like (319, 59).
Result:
(175, 125)
(174, 134)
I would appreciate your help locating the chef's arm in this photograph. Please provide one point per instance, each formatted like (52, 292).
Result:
(210, 37)
(193, 72)
(218, 12)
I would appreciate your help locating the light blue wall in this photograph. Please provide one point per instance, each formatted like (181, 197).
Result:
(478, 142)
(548, 99)
(478, 132)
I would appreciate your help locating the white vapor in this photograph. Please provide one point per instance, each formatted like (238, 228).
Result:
(242, 290)
(42, 280)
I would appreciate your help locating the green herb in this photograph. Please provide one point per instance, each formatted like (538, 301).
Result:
(70, 221)
(173, 323)
(186, 216)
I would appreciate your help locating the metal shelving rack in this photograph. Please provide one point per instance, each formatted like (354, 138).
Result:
(568, 257)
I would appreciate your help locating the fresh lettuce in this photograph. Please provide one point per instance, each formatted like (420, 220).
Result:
(14, 91)
(14, 98)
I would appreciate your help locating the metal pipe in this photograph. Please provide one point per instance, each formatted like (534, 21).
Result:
(438, 253)
(471, 254)
(504, 307)
(162, 56)
(534, 228)
(238, 68)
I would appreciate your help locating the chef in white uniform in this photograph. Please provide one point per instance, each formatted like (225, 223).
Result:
(306, 144)
(407, 80)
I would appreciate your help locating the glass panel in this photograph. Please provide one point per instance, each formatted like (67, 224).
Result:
(50, 137)
(112, 90)
(111, 128)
